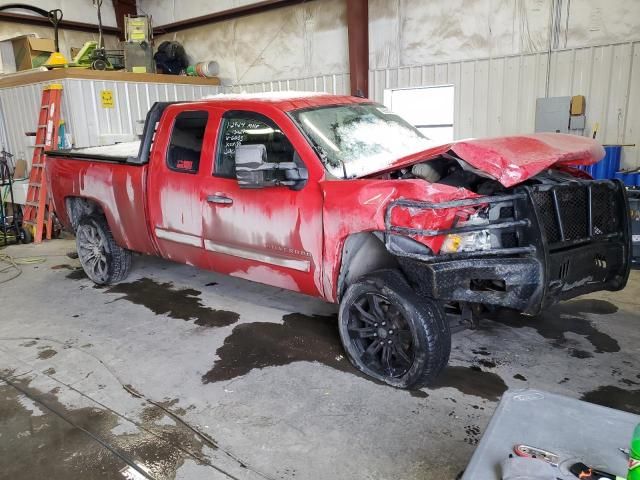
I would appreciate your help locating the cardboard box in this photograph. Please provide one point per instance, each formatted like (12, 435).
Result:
(31, 52)
(21, 169)
(578, 104)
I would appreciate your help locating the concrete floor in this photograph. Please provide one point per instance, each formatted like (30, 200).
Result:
(187, 374)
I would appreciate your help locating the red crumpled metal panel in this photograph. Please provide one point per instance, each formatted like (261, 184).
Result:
(511, 160)
(359, 205)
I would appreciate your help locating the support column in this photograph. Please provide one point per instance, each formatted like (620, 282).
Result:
(122, 8)
(358, 31)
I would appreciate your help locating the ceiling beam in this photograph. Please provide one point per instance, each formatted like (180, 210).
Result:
(64, 24)
(358, 34)
(230, 14)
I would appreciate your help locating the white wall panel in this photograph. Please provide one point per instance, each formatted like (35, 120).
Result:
(86, 119)
(334, 84)
(632, 120)
(496, 96)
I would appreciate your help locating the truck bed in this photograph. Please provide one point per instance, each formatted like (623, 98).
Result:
(123, 152)
(119, 188)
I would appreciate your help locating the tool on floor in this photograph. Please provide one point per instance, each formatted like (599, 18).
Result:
(526, 468)
(533, 452)
(37, 206)
(634, 455)
(584, 472)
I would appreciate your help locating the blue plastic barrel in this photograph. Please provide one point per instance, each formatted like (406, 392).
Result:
(630, 179)
(608, 166)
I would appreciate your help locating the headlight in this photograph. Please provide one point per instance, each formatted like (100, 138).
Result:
(467, 242)
(470, 241)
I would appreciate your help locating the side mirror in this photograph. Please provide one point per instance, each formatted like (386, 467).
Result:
(250, 166)
(253, 170)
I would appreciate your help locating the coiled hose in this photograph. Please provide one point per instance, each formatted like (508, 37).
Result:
(11, 265)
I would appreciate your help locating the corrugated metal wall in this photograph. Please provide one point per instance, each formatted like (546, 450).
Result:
(86, 119)
(493, 96)
(497, 96)
(337, 84)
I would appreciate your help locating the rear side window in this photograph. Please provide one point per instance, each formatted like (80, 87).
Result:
(185, 146)
(247, 128)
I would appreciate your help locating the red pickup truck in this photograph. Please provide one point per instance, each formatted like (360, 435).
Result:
(339, 198)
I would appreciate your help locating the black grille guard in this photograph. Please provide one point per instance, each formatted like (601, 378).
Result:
(570, 238)
(528, 215)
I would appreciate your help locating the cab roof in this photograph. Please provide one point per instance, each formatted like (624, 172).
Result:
(285, 100)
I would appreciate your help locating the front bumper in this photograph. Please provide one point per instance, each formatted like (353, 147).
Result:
(566, 239)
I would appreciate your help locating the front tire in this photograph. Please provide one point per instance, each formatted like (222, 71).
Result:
(102, 259)
(391, 333)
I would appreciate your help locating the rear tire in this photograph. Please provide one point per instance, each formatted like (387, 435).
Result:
(102, 259)
(391, 333)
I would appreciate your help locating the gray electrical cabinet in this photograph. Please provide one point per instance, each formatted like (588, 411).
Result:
(138, 58)
(552, 114)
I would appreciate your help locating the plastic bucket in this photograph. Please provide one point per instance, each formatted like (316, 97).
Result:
(203, 69)
(207, 69)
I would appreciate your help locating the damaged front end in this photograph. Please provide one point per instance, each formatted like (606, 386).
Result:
(525, 248)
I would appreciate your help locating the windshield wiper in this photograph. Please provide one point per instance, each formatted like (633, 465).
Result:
(325, 158)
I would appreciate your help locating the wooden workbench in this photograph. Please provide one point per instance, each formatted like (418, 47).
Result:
(37, 75)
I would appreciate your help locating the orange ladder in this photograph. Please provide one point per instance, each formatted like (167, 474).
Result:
(38, 204)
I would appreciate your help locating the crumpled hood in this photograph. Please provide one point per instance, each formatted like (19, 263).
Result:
(511, 160)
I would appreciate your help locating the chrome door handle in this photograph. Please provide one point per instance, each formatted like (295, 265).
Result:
(219, 199)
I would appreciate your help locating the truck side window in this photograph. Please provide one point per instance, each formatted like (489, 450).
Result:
(183, 154)
(247, 128)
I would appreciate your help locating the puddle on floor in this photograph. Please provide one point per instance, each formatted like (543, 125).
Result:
(77, 274)
(615, 397)
(179, 303)
(46, 353)
(577, 353)
(472, 381)
(316, 339)
(166, 299)
(68, 452)
(566, 317)
(310, 338)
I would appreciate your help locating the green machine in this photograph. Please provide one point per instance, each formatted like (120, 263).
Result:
(91, 55)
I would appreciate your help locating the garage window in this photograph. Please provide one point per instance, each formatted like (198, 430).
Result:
(429, 109)
(185, 147)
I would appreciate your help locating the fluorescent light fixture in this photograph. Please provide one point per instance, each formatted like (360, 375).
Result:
(260, 131)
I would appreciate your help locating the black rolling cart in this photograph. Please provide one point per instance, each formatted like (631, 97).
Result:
(10, 224)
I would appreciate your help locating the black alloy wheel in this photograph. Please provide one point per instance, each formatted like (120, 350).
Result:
(391, 333)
